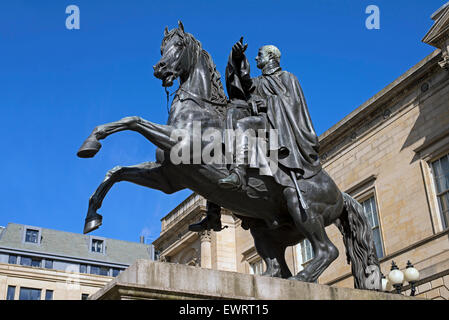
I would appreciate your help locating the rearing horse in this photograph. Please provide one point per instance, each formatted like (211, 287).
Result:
(265, 208)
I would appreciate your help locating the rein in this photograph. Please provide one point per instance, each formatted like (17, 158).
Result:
(204, 99)
(193, 95)
(168, 98)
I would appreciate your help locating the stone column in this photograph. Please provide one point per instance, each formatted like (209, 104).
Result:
(206, 252)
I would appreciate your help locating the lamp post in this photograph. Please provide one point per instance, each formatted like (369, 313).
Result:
(411, 276)
(396, 277)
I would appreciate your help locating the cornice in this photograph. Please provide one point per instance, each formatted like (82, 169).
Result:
(33, 273)
(178, 233)
(180, 224)
(439, 30)
(73, 259)
(177, 245)
(432, 139)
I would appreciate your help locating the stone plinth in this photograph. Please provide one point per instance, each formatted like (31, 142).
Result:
(157, 280)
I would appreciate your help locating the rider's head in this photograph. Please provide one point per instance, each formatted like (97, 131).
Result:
(266, 54)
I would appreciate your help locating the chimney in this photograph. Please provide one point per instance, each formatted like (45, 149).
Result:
(142, 239)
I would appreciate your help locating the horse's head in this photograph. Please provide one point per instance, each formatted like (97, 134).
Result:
(179, 54)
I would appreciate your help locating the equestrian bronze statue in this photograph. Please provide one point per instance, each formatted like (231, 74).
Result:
(280, 207)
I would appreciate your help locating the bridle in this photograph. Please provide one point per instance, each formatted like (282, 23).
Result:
(195, 97)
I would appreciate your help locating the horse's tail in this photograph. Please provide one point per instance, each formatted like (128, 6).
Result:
(360, 250)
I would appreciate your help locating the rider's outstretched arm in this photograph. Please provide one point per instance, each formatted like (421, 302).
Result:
(238, 79)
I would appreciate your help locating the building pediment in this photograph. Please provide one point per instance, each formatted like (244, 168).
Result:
(440, 29)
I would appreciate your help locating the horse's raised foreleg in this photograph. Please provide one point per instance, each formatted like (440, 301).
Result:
(147, 174)
(157, 134)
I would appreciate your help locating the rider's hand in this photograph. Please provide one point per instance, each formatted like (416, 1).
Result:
(238, 49)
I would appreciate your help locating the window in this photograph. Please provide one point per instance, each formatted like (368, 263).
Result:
(370, 209)
(84, 296)
(12, 259)
(30, 261)
(49, 295)
(25, 261)
(36, 262)
(304, 253)
(97, 245)
(48, 264)
(256, 267)
(440, 170)
(104, 271)
(94, 270)
(32, 236)
(83, 268)
(11, 293)
(30, 294)
(306, 250)
(115, 272)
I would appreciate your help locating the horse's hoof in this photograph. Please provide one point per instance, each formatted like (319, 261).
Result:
(89, 148)
(299, 277)
(92, 223)
(272, 274)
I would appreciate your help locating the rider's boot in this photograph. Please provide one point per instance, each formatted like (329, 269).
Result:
(237, 178)
(211, 221)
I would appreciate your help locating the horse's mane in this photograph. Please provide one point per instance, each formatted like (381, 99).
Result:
(217, 92)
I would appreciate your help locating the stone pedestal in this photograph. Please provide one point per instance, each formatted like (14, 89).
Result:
(158, 280)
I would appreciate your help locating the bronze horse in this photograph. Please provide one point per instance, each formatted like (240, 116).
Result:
(264, 206)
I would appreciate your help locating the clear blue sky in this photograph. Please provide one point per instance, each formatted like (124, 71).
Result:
(56, 85)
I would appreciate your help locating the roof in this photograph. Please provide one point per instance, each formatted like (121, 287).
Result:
(73, 245)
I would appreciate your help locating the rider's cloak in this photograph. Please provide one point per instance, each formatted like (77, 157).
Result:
(286, 110)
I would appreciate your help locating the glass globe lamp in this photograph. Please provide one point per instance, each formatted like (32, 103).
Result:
(396, 277)
(411, 276)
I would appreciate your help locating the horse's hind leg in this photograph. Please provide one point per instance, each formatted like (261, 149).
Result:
(312, 228)
(272, 253)
(147, 174)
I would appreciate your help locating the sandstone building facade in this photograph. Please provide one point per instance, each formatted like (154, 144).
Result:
(392, 155)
